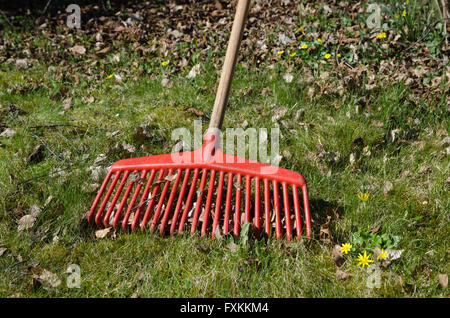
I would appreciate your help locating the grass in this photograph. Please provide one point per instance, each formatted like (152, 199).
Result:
(144, 265)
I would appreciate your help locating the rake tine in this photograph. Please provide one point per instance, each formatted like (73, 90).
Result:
(208, 202)
(180, 201)
(276, 203)
(298, 219)
(306, 205)
(227, 204)
(136, 193)
(247, 198)
(124, 199)
(133, 200)
(105, 200)
(218, 203)
(199, 201)
(267, 207)
(257, 207)
(188, 201)
(237, 210)
(169, 203)
(160, 203)
(99, 195)
(115, 198)
(151, 201)
(286, 212)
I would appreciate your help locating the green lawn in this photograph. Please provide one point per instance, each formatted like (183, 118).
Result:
(390, 141)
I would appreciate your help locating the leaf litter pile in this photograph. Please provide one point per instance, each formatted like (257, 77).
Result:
(185, 34)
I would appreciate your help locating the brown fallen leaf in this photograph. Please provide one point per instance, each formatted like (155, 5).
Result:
(342, 275)
(2, 250)
(103, 233)
(443, 280)
(194, 111)
(67, 103)
(78, 49)
(232, 247)
(338, 259)
(26, 222)
(50, 279)
(37, 155)
(387, 187)
(375, 229)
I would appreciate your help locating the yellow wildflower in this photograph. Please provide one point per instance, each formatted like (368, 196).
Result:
(381, 35)
(280, 52)
(404, 13)
(327, 56)
(407, 2)
(339, 55)
(363, 196)
(109, 76)
(304, 46)
(165, 63)
(382, 254)
(396, 16)
(364, 260)
(300, 29)
(319, 40)
(293, 54)
(345, 248)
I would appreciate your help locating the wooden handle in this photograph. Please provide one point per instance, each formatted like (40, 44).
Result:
(223, 91)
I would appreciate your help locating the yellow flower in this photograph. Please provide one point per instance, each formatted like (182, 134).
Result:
(319, 40)
(396, 16)
(300, 29)
(363, 196)
(382, 255)
(364, 260)
(345, 248)
(165, 63)
(280, 52)
(109, 76)
(381, 35)
(404, 13)
(327, 56)
(304, 46)
(339, 55)
(407, 2)
(293, 54)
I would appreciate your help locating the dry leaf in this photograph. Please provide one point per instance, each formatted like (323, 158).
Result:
(232, 247)
(8, 132)
(103, 233)
(26, 222)
(288, 77)
(393, 254)
(37, 155)
(443, 280)
(171, 177)
(217, 233)
(387, 187)
(194, 71)
(50, 278)
(338, 259)
(67, 103)
(341, 274)
(2, 250)
(78, 49)
(194, 111)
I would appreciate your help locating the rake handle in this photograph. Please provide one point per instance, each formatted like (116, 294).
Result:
(223, 90)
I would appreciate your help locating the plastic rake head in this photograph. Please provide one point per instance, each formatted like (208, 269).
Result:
(204, 190)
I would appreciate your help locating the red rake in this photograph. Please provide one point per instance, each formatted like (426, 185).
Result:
(162, 182)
